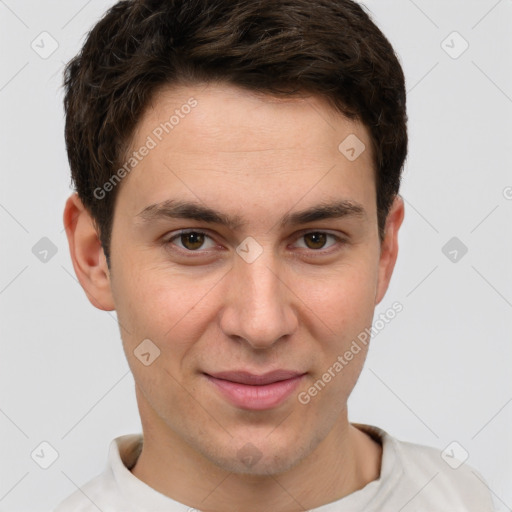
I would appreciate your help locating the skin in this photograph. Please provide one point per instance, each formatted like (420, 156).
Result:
(298, 306)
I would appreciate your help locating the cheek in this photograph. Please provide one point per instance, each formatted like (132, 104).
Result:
(344, 300)
(345, 310)
(161, 305)
(342, 309)
(153, 306)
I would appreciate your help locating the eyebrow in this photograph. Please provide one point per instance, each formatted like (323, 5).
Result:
(178, 209)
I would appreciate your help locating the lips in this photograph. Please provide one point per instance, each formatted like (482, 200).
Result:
(245, 390)
(243, 377)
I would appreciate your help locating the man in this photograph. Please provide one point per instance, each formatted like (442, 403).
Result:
(237, 167)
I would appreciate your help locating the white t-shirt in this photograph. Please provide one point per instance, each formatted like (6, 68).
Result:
(413, 478)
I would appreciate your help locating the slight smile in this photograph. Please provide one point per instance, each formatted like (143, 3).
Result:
(256, 392)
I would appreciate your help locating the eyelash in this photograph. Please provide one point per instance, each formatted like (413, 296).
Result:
(167, 242)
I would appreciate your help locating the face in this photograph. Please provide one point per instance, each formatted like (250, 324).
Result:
(245, 241)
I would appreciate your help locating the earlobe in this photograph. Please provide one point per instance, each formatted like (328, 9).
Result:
(87, 254)
(389, 247)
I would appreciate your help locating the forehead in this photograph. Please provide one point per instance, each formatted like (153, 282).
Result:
(207, 138)
(227, 118)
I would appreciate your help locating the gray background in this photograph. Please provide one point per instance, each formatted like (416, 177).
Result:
(438, 373)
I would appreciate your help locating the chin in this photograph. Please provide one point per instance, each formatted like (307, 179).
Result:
(262, 461)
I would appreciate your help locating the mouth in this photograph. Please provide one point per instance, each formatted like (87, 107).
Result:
(256, 392)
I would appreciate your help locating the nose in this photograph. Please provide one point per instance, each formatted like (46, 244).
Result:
(260, 307)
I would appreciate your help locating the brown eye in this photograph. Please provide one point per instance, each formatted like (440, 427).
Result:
(190, 244)
(192, 241)
(319, 242)
(315, 240)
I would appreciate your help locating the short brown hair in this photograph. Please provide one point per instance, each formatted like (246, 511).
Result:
(329, 48)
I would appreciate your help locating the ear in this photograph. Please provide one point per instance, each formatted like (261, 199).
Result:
(389, 247)
(87, 254)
